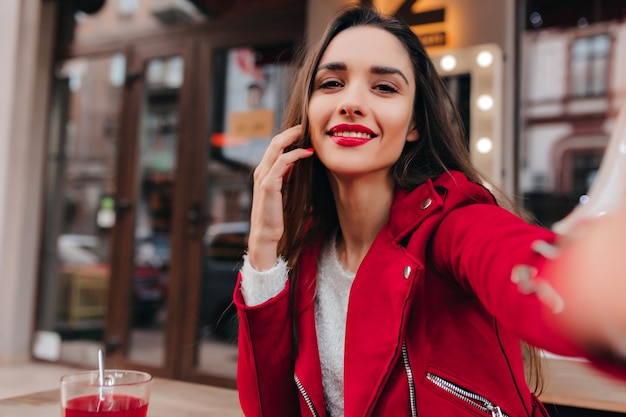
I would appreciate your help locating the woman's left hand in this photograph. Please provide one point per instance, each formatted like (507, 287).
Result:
(590, 275)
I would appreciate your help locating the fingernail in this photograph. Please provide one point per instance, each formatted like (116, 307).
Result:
(310, 149)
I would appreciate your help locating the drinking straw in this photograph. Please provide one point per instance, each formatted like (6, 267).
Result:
(101, 373)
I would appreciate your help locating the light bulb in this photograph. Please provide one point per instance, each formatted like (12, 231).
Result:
(484, 145)
(484, 59)
(485, 102)
(448, 63)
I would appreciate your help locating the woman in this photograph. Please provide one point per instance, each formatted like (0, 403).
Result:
(381, 279)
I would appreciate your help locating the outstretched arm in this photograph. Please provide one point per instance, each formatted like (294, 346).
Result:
(573, 287)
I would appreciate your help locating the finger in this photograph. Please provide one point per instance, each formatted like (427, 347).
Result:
(273, 180)
(291, 157)
(276, 148)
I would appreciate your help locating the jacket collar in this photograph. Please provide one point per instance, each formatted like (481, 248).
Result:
(410, 208)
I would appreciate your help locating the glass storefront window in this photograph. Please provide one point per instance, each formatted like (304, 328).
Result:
(255, 93)
(156, 182)
(80, 212)
(139, 208)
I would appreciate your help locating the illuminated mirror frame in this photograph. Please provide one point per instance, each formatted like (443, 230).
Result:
(485, 134)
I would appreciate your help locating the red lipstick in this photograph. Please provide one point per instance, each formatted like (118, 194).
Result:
(351, 134)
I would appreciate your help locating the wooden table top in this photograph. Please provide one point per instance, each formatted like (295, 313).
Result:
(574, 383)
(168, 398)
(568, 382)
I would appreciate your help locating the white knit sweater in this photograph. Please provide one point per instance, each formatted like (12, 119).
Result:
(331, 306)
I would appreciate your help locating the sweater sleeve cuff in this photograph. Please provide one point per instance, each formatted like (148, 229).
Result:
(257, 286)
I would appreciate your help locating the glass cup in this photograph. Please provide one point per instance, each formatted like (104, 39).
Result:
(123, 394)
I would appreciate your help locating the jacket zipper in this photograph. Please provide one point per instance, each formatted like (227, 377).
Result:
(409, 375)
(306, 397)
(475, 400)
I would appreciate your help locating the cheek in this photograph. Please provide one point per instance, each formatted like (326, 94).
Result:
(315, 109)
(400, 115)
(317, 119)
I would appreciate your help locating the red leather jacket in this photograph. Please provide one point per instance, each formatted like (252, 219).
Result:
(434, 320)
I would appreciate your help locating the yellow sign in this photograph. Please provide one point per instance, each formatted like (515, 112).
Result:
(427, 18)
(251, 124)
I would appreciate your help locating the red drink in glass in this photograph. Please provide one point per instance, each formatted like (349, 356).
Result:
(116, 405)
(110, 393)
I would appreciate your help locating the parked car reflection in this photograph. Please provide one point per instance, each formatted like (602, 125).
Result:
(224, 244)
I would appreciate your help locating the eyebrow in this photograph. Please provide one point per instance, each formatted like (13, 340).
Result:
(339, 66)
(389, 70)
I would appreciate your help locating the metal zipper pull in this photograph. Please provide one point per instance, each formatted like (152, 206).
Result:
(495, 410)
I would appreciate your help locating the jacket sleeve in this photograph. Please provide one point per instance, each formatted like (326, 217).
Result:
(265, 361)
(480, 245)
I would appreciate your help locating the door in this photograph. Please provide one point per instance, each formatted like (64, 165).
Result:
(183, 205)
(250, 87)
(147, 282)
(150, 190)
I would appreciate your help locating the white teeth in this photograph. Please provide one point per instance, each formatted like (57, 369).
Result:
(359, 135)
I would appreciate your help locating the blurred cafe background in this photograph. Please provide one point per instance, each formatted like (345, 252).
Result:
(129, 130)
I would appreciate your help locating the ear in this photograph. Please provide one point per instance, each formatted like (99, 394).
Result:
(413, 134)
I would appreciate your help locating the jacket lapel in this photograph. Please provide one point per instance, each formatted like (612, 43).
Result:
(307, 363)
(380, 300)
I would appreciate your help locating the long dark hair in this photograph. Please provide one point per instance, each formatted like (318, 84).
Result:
(309, 204)
(309, 207)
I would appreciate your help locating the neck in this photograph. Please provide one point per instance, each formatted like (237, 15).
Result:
(362, 209)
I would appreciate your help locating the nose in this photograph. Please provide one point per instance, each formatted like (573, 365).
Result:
(352, 103)
(350, 110)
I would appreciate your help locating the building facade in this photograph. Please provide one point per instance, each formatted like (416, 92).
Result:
(575, 90)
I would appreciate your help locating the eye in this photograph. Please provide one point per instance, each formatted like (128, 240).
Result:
(329, 84)
(386, 88)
